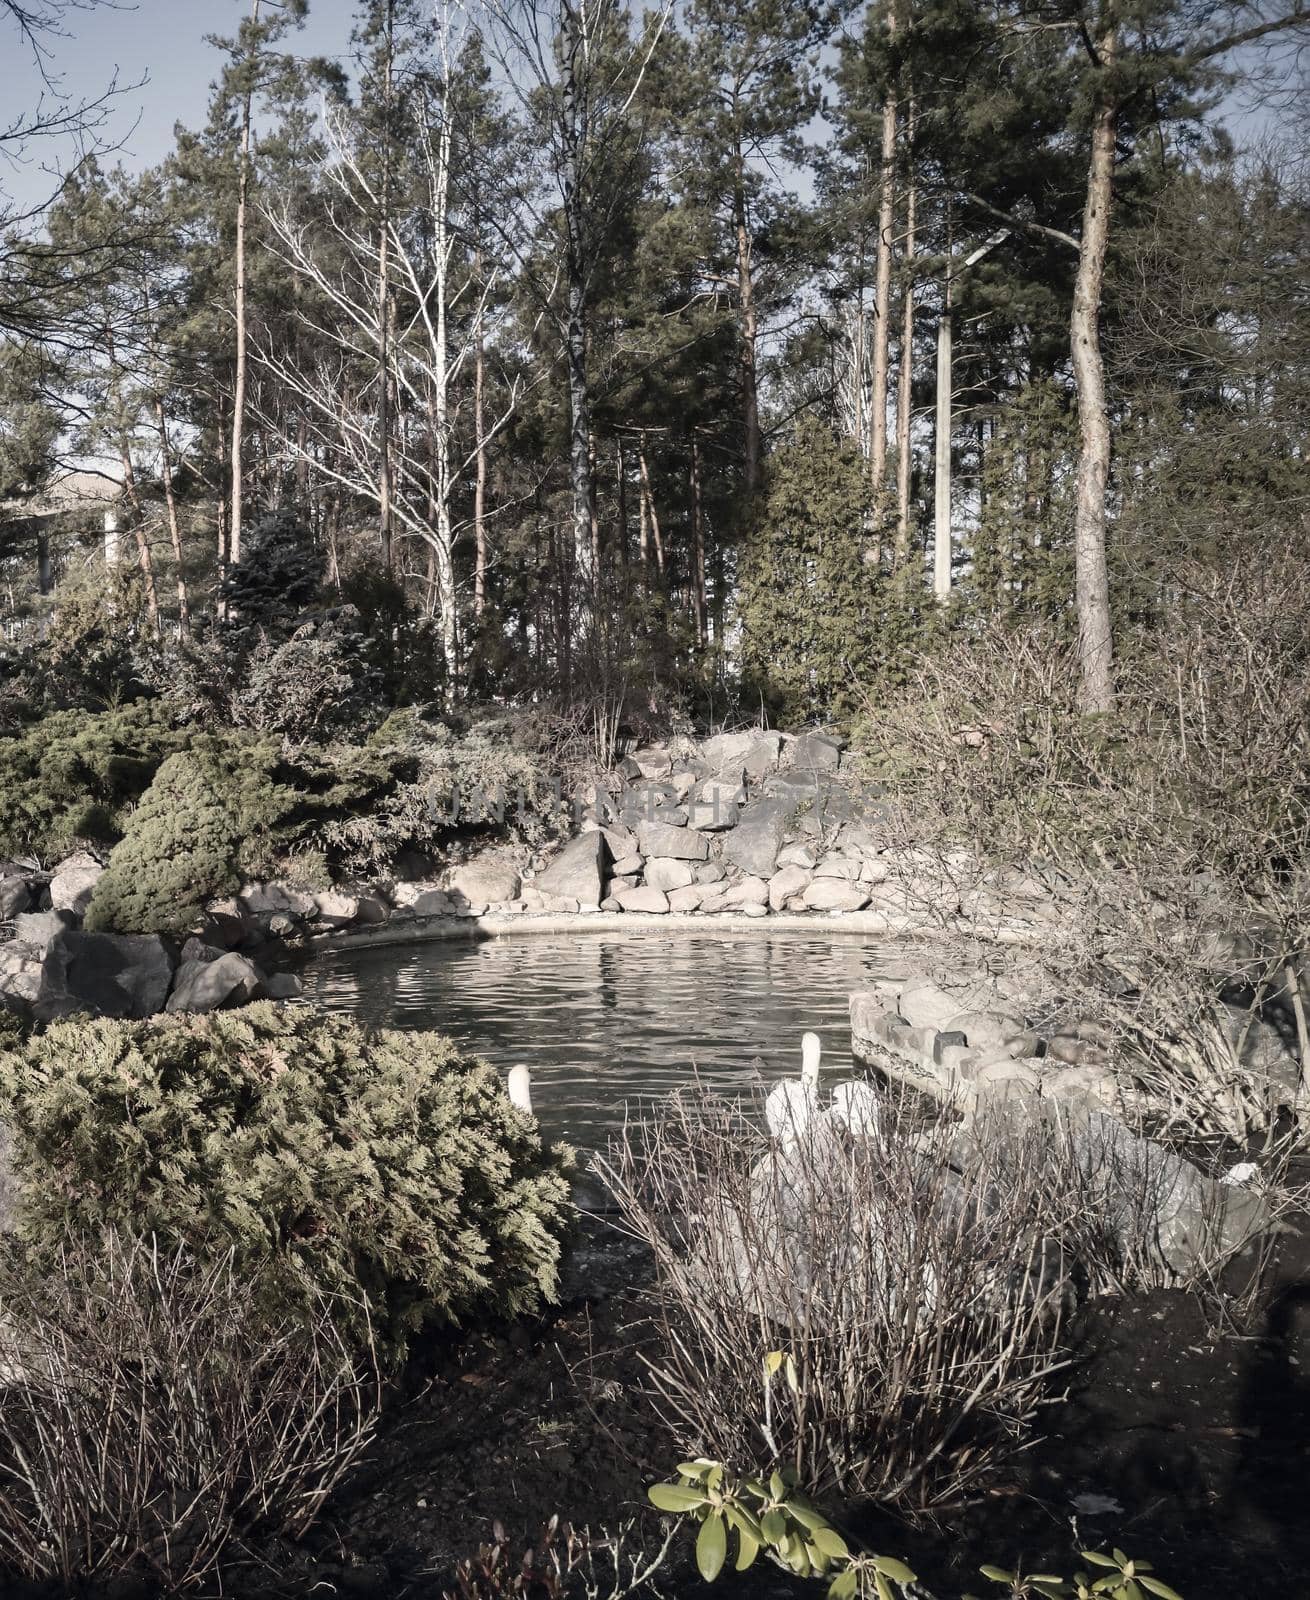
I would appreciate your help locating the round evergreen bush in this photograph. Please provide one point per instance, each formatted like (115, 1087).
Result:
(384, 1169)
(210, 810)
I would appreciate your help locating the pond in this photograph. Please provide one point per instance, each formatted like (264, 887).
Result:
(607, 1020)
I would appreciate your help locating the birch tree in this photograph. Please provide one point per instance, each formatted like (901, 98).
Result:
(443, 309)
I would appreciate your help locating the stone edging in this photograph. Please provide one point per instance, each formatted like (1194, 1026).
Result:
(419, 930)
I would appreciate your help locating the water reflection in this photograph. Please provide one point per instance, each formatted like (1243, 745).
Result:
(605, 1020)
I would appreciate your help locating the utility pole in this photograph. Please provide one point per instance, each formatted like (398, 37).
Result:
(941, 548)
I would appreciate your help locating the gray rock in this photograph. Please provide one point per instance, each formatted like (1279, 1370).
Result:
(104, 974)
(39, 928)
(835, 894)
(785, 883)
(1184, 1214)
(629, 866)
(797, 855)
(197, 950)
(283, 986)
(219, 928)
(372, 911)
(716, 804)
(578, 871)
(15, 896)
(662, 839)
(20, 973)
(838, 866)
(621, 840)
(668, 872)
(484, 883)
(925, 1004)
(986, 1030)
(725, 750)
(628, 769)
(652, 763)
(337, 910)
(621, 882)
(689, 899)
(749, 892)
(232, 980)
(73, 882)
(277, 900)
(710, 872)
(753, 845)
(653, 901)
(815, 752)
(763, 756)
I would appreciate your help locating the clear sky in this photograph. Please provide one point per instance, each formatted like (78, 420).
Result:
(165, 39)
(162, 38)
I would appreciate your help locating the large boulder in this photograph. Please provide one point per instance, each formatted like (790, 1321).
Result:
(15, 896)
(39, 929)
(925, 1004)
(786, 883)
(815, 752)
(834, 894)
(668, 872)
(20, 973)
(105, 975)
(1184, 1215)
(578, 872)
(485, 883)
(73, 882)
(277, 900)
(763, 756)
(662, 839)
(335, 909)
(727, 750)
(232, 980)
(753, 845)
(716, 804)
(652, 901)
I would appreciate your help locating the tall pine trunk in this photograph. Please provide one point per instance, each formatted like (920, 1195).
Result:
(575, 332)
(750, 389)
(905, 378)
(1091, 579)
(882, 303)
(174, 528)
(239, 386)
(480, 444)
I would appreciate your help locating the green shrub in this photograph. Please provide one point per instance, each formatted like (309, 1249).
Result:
(210, 811)
(73, 775)
(330, 1161)
(816, 616)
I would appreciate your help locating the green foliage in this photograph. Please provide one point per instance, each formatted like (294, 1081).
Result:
(97, 648)
(210, 810)
(1023, 552)
(806, 608)
(385, 1169)
(73, 775)
(278, 575)
(768, 1515)
(444, 779)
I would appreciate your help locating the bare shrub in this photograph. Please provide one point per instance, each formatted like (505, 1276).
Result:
(152, 1417)
(920, 1306)
(1170, 838)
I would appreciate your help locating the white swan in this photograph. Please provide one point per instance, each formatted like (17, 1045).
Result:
(795, 1102)
(520, 1088)
(857, 1107)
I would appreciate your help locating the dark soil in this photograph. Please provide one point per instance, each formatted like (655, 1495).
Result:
(1200, 1433)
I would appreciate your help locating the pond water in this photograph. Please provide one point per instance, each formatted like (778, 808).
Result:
(607, 1020)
